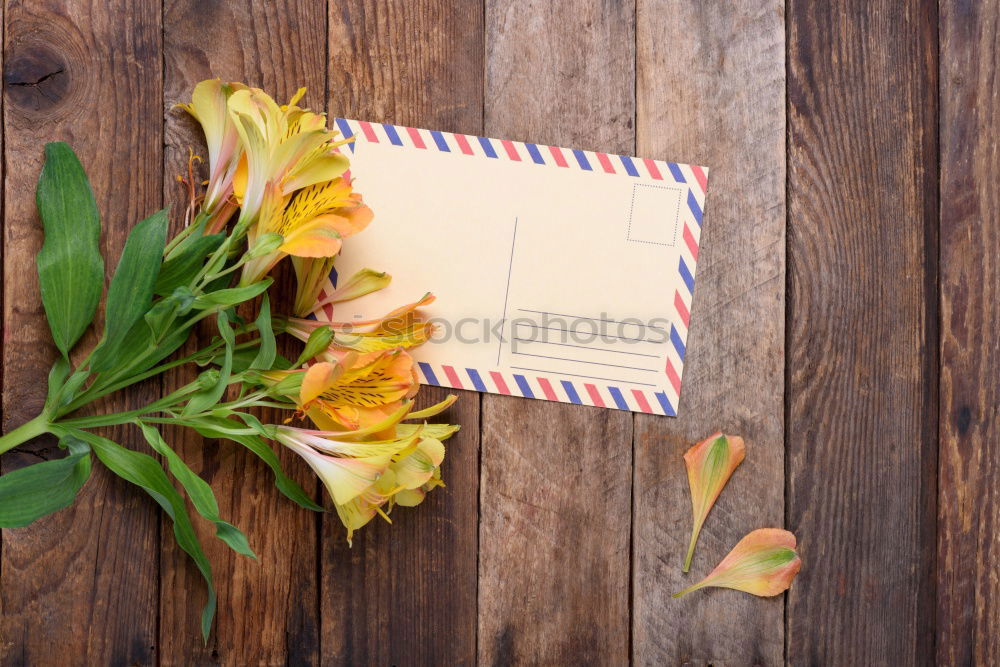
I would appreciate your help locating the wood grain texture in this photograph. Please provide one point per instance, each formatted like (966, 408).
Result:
(406, 594)
(714, 96)
(555, 501)
(897, 569)
(969, 456)
(89, 74)
(862, 351)
(268, 610)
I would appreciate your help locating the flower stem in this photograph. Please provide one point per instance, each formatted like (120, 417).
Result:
(25, 432)
(99, 390)
(125, 417)
(690, 553)
(689, 589)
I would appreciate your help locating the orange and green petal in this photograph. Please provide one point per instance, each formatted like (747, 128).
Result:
(344, 478)
(416, 469)
(710, 463)
(355, 515)
(763, 563)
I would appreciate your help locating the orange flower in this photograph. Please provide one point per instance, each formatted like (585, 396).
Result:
(362, 475)
(312, 224)
(762, 563)
(356, 392)
(710, 463)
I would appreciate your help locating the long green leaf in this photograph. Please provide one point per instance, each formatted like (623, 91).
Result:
(143, 471)
(199, 492)
(244, 359)
(70, 389)
(231, 296)
(70, 267)
(268, 348)
(34, 491)
(216, 428)
(140, 351)
(131, 292)
(179, 269)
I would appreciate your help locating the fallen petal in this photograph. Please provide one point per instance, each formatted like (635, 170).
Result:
(710, 464)
(762, 563)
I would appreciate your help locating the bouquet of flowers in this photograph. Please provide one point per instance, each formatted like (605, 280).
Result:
(277, 187)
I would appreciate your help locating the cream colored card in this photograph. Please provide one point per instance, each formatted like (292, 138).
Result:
(560, 274)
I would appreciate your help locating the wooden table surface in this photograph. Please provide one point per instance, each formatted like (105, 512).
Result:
(844, 324)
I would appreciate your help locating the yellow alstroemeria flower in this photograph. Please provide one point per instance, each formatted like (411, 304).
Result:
(363, 476)
(354, 393)
(286, 149)
(312, 224)
(209, 106)
(346, 468)
(361, 283)
(312, 276)
(365, 281)
(400, 329)
(351, 396)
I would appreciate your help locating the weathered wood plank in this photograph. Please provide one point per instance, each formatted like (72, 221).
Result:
(88, 74)
(268, 611)
(862, 350)
(969, 456)
(711, 82)
(556, 479)
(406, 594)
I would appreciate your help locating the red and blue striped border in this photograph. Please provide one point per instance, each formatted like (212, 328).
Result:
(692, 178)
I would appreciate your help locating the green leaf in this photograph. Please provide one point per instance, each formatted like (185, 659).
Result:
(143, 471)
(69, 390)
(140, 352)
(34, 491)
(57, 379)
(131, 292)
(70, 267)
(231, 296)
(212, 427)
(205, 399)
(180, 269)
(188, 236)
(165, 311)
(254, 423)
(199, 492)
(268, 349)
(244, 358)
(318, 341)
